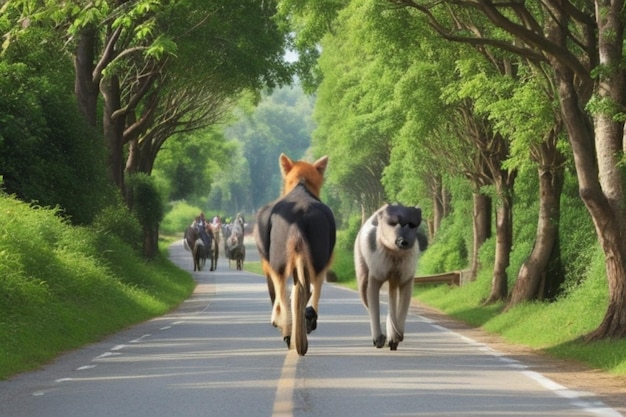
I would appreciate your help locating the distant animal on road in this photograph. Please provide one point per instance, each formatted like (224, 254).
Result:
(295, 236)
(236, 250)
(386, 249)
(215, 230)
(212, 251)
(193, 243)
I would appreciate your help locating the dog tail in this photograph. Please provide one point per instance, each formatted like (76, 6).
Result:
(298, 251)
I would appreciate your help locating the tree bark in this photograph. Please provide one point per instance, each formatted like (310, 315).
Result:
(441, 204)
(481, 228)
(504, 242)
(85, 87)
(150, 241)
(533, 279)
(438, 206)
(113, 129)
(608, 215)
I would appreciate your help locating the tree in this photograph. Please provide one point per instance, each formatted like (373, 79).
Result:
(189, 163)
(280, 123)
(526, 110)
(583, 43)
(48, 154)
(147, 205)
(133, 54)
(356, 115)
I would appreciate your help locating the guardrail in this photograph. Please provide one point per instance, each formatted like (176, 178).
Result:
(451, 278)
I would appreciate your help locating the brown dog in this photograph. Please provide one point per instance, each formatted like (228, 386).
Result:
(386, 250)
(295, 236)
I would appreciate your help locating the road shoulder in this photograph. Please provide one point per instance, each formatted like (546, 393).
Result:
(610, 389)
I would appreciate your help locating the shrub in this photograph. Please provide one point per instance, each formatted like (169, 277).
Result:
(48, 153)
(347, 237)
(146, 199)
(179, 218)
(448, 251)
(117, 221)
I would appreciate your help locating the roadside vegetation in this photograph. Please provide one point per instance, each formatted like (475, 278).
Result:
(63, 286)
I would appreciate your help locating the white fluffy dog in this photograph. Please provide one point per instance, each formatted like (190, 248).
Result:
(385, 250)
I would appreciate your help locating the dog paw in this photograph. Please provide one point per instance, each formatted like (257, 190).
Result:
(311, 319)
(379, 342)
(393, 344)
(287, 340)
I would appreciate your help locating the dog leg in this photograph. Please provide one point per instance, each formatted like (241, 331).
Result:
(399, 302)
(313, 308)
(300, 294)
(281, 311)
(373, 298)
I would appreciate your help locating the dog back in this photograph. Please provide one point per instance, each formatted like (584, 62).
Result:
(299, 222)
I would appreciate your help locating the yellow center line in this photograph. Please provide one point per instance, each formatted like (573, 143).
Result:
(283, 403)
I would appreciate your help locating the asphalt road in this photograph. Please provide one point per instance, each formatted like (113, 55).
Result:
(217, 355)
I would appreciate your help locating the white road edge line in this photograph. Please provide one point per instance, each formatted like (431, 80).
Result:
(595, 407)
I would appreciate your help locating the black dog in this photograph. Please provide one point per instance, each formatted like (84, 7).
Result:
(295, 236)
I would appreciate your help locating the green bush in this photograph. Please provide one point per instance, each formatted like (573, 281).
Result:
(48, 153)
(147, 204)
(179, 218)
(343, 266)
(116, 220)
(347, 237)
(449, 250)
(577, 234)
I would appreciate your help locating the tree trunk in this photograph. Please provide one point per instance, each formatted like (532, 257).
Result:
(132, 160)
(598, 155)
(141, 155)
(481, 228)
(532, 279)
(85, 87)
(150, 241)
(503, 181)
(441, 202)
(438, 208)
(113, 129)
(608, 209)
(504, 242)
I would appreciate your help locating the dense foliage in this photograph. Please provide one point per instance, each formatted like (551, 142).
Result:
(48, 154)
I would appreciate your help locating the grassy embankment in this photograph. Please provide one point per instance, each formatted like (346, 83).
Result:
(554, 328)
(63, 286)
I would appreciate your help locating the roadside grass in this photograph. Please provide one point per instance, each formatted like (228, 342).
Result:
(556, 329)
(62, 286)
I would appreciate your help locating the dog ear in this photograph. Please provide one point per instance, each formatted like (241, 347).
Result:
(285, 164)
(418, 215)
(321, 164)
